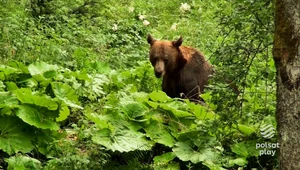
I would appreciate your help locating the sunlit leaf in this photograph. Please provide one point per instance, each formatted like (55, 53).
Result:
(5, 71)
(20, 162)
(33, 117)
(164, 158)
(135, 110)
(213, 166)
(66, 93)
(238, 161)
(102, 121)
(159, 96)
(246, 130)
(26, 96)
(122, 140)
(185, 152)
(8, 100)
(42, 68)
(245, 149)
(159, 133)
(64, 112)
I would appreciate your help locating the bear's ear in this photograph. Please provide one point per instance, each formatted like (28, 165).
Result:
(178, 42)
(150, 39)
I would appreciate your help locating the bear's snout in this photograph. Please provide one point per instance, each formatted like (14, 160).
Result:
(158, 74)
(159, 68)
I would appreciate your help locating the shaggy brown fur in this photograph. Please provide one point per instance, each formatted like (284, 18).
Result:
(184, 69)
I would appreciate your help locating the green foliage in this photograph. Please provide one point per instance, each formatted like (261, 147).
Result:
(21, 162)
(77, 90)
(15, 135)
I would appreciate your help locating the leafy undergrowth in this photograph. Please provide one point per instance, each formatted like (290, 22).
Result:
(85, 97)
(55, 118)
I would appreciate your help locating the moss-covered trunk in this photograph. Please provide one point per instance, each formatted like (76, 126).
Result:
(287, 60)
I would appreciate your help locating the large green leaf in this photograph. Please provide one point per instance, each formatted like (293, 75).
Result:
(66, 93)
(11, 86)
(238, 161)
(14, 136)
(20, 162)
(122, 140)
(185, 152)
(42, 68)
(135, 111)
(8, 100)
(175, 111)
(245, 149)
(26, 96)
(33, 117)
(170, 107)
(159, 96)
(19, 65)
(168, 166)
(64, 112)
(201, 112)
(213, 166)
(5, 71)
(164, 158)
(158, 133)
(102, 121)
(246, 130)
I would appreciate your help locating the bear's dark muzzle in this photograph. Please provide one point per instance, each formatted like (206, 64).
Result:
(158, 74)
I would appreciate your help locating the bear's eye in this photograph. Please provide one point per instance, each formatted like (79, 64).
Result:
(165, 60)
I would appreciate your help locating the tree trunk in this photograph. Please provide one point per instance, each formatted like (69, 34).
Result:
(287, 61)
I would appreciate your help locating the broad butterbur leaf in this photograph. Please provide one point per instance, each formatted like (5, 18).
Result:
(66, 93)
(33, 117)
(245, 149)
(11, 86)
(213, 166)
(102, 121)
(201, 112)
(8, 100)
(14, 136)
(185, 152)
(20, 162)
(246, 130)
(168, 166)
(5, 71)
(164, 158)
(176, 112)
(64, 112)
(158, 133)
(26, 96)
(159, 96)
(122, 140)
(135, 110)
(42, 68)
(238, 161)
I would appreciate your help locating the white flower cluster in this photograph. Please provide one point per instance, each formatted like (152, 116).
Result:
(131, 9)
(143, 17)
(115, 27)
(174, 26)
(185, 7)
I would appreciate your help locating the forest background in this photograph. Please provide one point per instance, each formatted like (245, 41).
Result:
(77, 90)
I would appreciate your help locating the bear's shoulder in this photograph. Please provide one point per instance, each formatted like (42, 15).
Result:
(189, 53)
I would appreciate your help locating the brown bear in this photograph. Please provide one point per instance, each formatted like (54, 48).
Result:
(184, 69)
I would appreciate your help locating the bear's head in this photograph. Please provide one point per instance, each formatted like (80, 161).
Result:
(165, 56)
